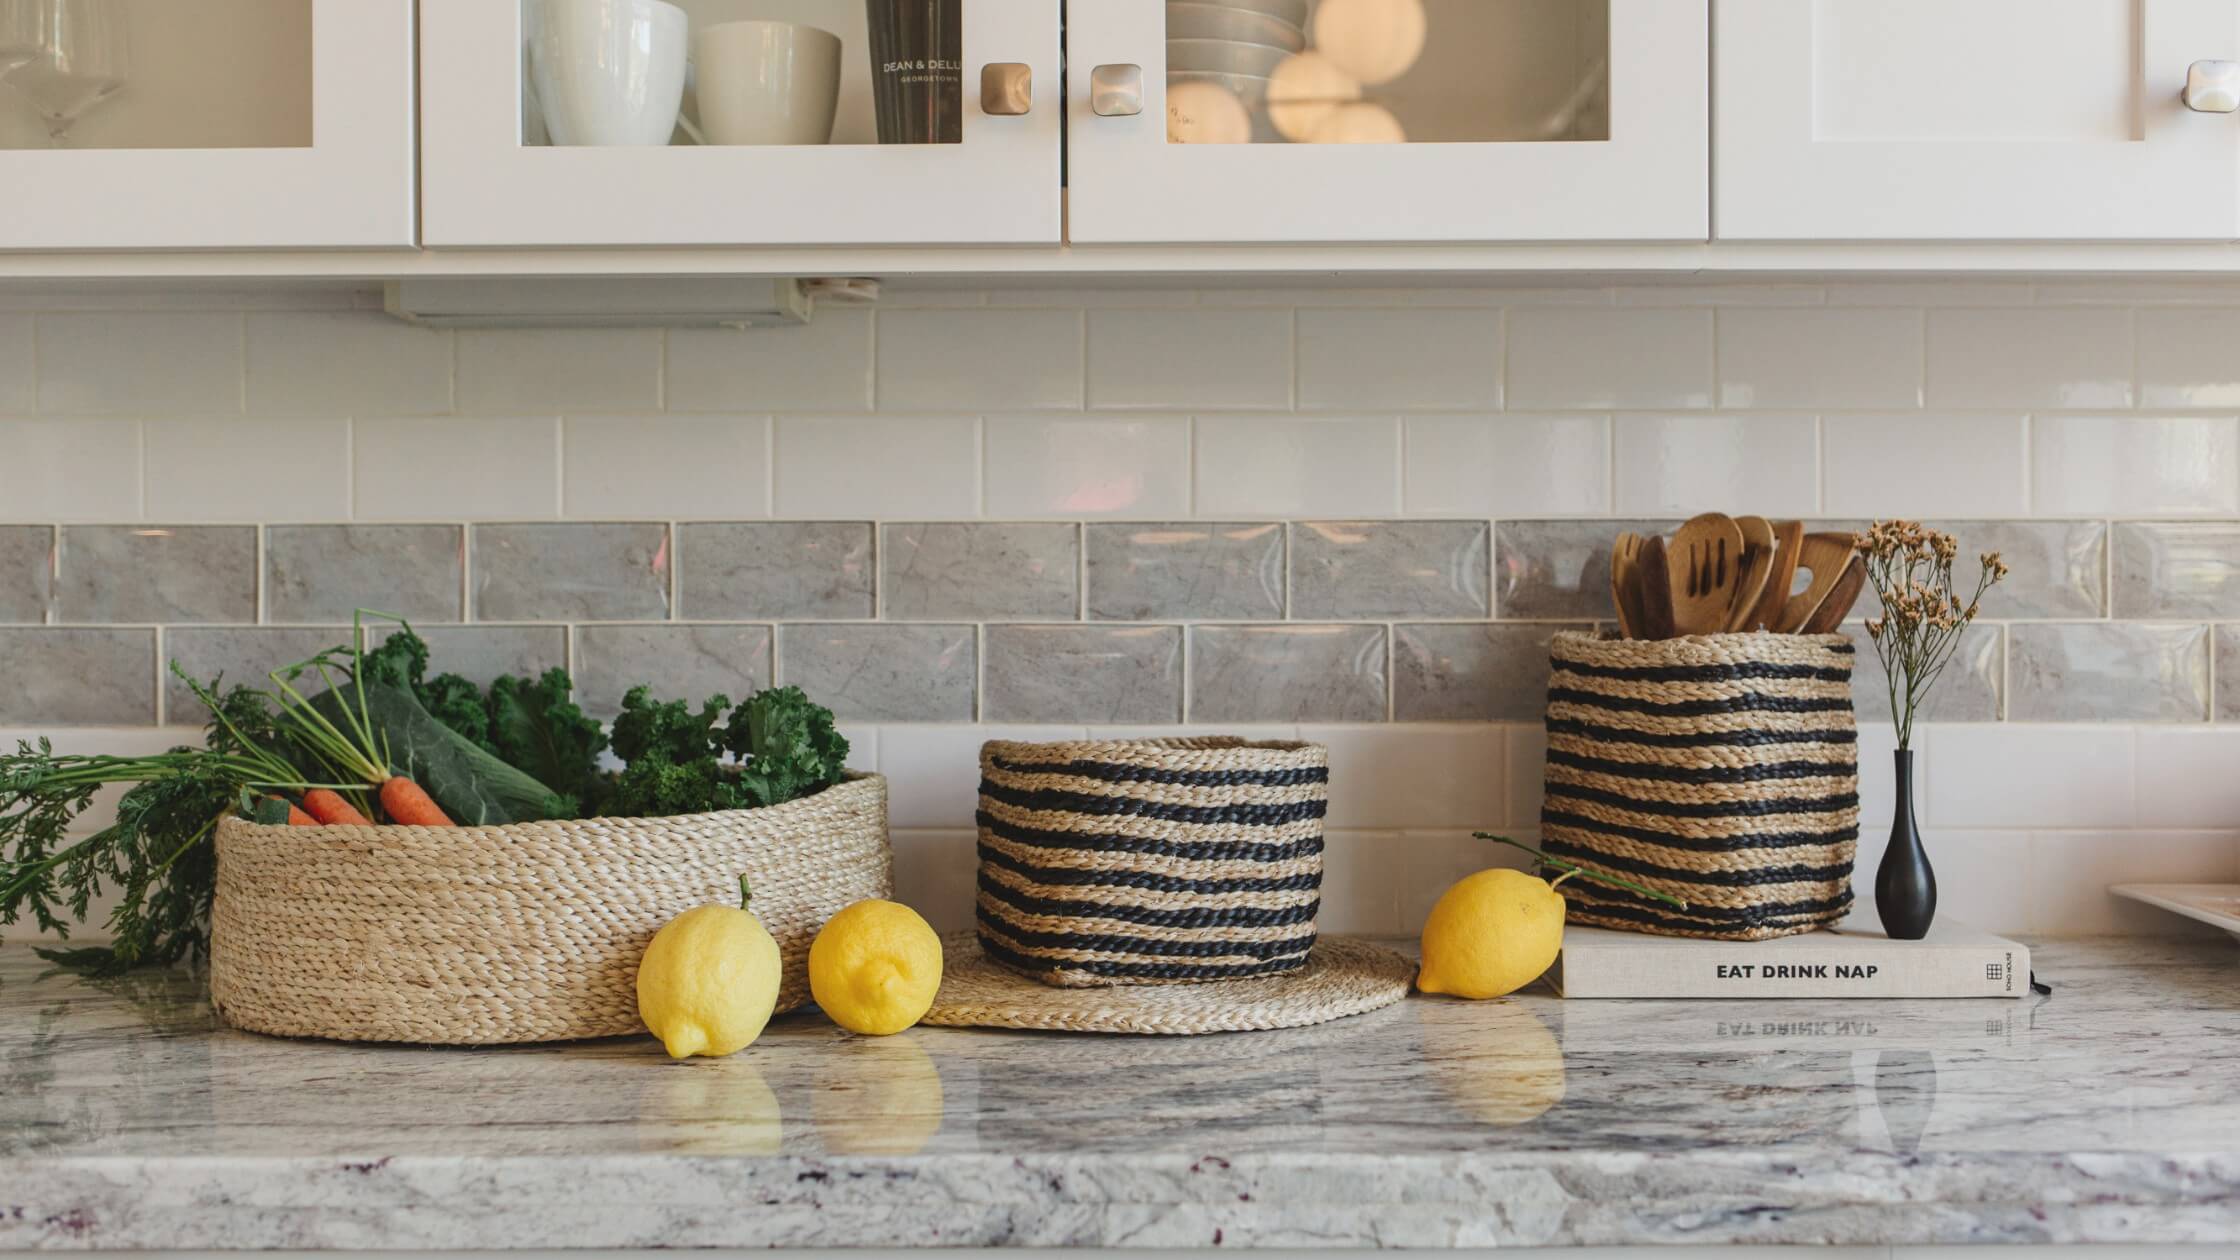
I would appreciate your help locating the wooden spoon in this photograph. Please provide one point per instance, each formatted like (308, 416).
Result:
(1652, 582)
(1826, 556)
(1704, 563)
(1625, 589)
(1781, 574)
(1757, 562)
(1841, 596)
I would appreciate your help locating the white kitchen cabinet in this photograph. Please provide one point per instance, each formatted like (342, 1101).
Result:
(491, 181)
(1972, 120)
(1517, 121)
(232, 124)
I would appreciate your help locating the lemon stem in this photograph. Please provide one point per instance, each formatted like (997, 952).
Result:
(746, 894)
(1573, 868)
(1557, 882)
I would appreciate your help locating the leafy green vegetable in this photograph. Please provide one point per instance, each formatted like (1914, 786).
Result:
(272, 811)
(669, 755)
(401, 660)
(536, 727)
(471, 783)
(787, 746)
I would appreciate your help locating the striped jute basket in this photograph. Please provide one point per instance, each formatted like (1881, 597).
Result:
(520, 933)
(1160, 861)
(1721, 769)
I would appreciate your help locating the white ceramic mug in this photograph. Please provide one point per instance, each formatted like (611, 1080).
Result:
(766, 82)
(607, 72)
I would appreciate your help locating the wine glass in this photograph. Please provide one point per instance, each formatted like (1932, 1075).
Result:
(80, 59)
(19, 33)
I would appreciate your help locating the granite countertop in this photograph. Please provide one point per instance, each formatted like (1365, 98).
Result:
(2109, 1112)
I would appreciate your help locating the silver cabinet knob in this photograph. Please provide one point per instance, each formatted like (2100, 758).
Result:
(1116, 91)
(2213, 87)
(1006, 88)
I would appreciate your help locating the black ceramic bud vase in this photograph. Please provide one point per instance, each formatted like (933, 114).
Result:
(1905, 889)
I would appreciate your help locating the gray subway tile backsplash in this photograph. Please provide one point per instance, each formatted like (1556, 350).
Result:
(77, 676)
(172, 574)
(2107, 672)
(871, 672)
(569, 572)
(484, 653)
(2226, 649)
(1178, 570)
(1287, 673)
(1366, 569)
(26, 573)
(1969, 690)
(677, 661)
(232, 656)
(996, 571)
(324, 573)
(2177, 569)
(1088, 674)
(774, 570)
(1558, 570)
(1462, 672)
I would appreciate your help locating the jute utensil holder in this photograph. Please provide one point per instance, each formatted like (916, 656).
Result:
(521, 933)
(1159, 861)
(1721, 769)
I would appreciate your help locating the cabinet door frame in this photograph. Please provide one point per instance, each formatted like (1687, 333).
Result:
(351, 187)
(1649, 181)
(483, 188)
(2178, 179)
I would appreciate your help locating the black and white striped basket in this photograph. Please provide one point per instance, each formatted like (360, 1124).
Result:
(1160, 861)
(1721, 769)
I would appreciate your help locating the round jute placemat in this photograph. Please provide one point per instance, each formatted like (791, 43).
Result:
(1343, 976)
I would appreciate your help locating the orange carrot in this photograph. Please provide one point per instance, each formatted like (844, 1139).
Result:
(297, 818)
(407, 805)
(328, 807)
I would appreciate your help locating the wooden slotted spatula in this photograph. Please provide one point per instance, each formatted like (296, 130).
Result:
(1625, 589)
(1705, 563)
(1781, 574)
(1653, 584)
(1826, 556)
(1757, 562)
(1841, 597)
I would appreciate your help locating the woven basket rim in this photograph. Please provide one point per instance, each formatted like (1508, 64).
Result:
(1743, 636)
(1171, 743)
(856, 782)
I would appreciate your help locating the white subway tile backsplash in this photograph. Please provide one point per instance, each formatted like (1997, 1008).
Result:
(2187, 359)
(559, 369)
(202, 469)
(1417, 776)
(442, 469)
(1898, 464)
(1992, 775)
(1680, 465)
(979, 360)
(311, 363)
(1507, 465)
(1087, 466)
(70, 470)
(1823, 359)
(2065, 357)
(823, 365)
(1298, 466)
(139, 362)
(2070, 872)
(1189, 360)
(1430, 360)
(2186, 778)
(2135, 465)
(1597, 360)
(663, 467)
(877, 466)
(1783, 295)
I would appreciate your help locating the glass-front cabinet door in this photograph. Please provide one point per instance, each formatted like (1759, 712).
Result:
(740, 122)
(1892, 120)
(205, 124)
(1388, 120)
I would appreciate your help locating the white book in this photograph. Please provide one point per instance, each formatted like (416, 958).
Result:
(1853, 960)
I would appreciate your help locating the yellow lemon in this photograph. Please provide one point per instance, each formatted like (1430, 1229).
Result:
(875, 967)
(709, 980)
(1492, 933)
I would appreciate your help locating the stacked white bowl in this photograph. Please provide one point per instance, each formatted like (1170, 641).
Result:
(1235, 43)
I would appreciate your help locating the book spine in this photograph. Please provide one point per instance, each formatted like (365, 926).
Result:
(1938, 971)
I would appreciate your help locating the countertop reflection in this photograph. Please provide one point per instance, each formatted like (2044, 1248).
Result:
(2109, 1112)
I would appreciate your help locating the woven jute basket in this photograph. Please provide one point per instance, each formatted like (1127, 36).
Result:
(1160, 861)
(1721, 769)
(521, 933)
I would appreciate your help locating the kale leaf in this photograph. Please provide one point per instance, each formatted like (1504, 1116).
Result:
(787, 747)
(669, 756)
(538, 728)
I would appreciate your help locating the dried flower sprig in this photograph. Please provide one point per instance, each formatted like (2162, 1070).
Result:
(1922, 618)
